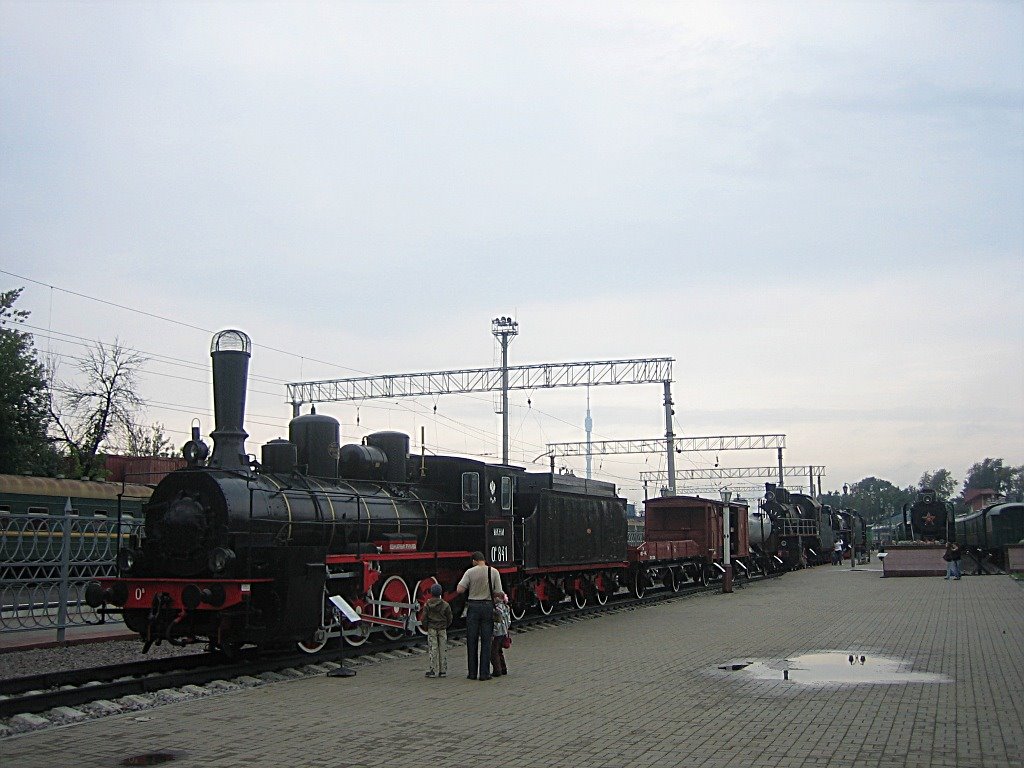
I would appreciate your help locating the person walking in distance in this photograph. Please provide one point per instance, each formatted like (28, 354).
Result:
(482, 583)
(437, 615)
(837, 553)
(947, 556)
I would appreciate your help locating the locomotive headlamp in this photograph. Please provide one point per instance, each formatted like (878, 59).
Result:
(219, 559)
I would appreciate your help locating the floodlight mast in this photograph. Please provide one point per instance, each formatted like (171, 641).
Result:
(670, 440)
(504, 329)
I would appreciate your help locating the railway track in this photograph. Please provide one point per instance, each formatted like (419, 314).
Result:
(139, 685)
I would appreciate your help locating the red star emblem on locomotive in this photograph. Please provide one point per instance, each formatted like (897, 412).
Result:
(928, 519)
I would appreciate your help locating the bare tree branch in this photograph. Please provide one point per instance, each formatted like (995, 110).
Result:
(103, 402)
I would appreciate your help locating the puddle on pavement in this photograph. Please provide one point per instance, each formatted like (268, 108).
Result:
(832, 668)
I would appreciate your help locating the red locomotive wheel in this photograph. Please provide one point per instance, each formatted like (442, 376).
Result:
(357, 634)
(517, 602)
(314, 644)
(394, 590)
(328, 622)
(638, 589)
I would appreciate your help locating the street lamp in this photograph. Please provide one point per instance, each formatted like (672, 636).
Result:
(726, 544)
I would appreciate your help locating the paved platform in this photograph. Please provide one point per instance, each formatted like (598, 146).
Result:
(637, 688)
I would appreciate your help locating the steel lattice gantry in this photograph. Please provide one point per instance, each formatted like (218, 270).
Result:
(657, 444)
(738, 473)
(671, 445)
(542, 376)
(730, 473)
(743, 490)
(652, 370)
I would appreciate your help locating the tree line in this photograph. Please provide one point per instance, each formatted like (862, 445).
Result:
(877, 499)
(50, 425)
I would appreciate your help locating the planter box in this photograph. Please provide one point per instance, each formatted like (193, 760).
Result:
(1015, 558)
(914, 560)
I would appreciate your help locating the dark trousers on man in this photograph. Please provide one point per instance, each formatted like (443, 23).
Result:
(479, 629)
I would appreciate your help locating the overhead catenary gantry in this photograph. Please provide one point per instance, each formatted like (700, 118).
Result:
(672, 445)
(811, 472)
(741, 490)
(728, 473)
(595, 373)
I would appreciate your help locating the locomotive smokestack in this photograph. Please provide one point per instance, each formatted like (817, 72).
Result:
(230, 352)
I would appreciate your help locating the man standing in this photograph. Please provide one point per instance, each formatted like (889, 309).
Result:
(482, 582)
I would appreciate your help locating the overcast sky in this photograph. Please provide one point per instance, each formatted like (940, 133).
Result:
(816, 208)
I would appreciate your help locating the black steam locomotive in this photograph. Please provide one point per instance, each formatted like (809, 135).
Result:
(236, 551)
(802, 530)
(929, 518)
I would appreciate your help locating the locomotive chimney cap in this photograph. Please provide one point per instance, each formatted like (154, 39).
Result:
(231, 340)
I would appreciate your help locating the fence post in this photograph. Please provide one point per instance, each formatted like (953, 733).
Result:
(65, 569)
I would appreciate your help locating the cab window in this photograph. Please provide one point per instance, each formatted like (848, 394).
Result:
(470, 491)
(506, 493)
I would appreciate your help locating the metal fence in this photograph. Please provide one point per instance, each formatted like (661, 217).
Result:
(46, 562)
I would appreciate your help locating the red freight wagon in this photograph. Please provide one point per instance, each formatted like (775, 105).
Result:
(683, 541)
(682, 518)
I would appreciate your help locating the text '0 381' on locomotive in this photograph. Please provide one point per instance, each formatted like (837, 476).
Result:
(237, 552)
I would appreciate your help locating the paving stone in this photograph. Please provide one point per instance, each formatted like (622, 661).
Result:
(135, 701)
(171, 695)
(28, 722)
(272, 677)
(195, 690)
(66, 714)
(223, 685)
(102, 707)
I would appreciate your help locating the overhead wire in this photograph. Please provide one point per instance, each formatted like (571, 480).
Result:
(49, 334)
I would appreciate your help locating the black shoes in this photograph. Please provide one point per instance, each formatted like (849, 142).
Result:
(472, 677)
